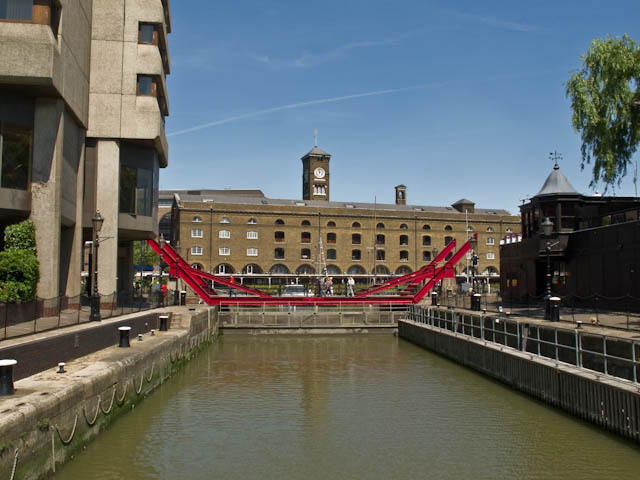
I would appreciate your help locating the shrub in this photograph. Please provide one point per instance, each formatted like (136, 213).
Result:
(21, 235)
(19, 274)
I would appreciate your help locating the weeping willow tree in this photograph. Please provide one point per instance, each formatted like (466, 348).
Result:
(605, 100)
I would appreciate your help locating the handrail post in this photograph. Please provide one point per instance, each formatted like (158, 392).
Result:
(538, 338)
(633, 359)
(604, 353)
(555, 341)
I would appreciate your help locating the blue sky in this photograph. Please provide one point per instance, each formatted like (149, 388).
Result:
(451, 98)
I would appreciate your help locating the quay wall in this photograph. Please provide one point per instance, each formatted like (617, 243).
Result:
(52, 416)
(603, 400)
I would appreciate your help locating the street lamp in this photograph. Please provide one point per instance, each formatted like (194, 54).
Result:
(97, 222)
(547, 228)
(473, 243)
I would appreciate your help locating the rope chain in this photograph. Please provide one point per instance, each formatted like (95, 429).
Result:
(113, 397)
(15, 464)
(73, 431)
(95, 417)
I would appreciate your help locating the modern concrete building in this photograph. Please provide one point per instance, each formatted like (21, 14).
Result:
(82, 107)
(244, 233)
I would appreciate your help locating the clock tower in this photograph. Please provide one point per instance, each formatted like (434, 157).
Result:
(315, 175)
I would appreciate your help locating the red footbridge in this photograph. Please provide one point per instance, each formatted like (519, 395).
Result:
(408, 289)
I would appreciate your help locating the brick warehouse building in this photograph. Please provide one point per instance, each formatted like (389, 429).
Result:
(244, 233)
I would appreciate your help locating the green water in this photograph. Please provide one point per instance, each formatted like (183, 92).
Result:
(344, 407)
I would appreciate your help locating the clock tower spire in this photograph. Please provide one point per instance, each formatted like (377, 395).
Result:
(315, 173)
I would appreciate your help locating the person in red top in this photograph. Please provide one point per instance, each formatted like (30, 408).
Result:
(164, 294)
(230, 287)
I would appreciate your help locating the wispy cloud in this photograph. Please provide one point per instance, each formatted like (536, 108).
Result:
(310, 59)
(342, 98)
(291, 106)
(497, 22)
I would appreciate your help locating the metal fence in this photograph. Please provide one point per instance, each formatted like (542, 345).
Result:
(310, 316)
(604, 354)
(39, 315)
(616, 312)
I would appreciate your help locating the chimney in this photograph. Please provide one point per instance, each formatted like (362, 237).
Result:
(401, 195)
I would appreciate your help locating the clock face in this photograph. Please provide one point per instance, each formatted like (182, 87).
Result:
(319, 172)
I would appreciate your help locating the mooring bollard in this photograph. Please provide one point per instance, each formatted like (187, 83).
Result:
(554, 307)
(434, 298)
(61, 368)
(6, 376)
(139, 337)
(475, 302)
(124, 337)
(164, 319)
(153, 332)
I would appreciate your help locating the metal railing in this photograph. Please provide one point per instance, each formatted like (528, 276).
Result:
(39, 315)
(616, 312)
(613, 356)
(315, 315)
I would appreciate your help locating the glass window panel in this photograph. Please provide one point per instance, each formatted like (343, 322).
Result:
(16, 9)
(146, 33)
(144, 191)
(127, 189)
(145, 84)
(16, 157)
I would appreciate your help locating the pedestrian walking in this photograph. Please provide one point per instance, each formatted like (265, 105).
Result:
(350, 286)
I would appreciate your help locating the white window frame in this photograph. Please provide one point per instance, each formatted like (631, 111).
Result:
(196, 233)
(196, 219)
(224, 234)
(224, 251)
(491, 241)
(491, 256)
(196, 250)
(252, 235)
(252, 252)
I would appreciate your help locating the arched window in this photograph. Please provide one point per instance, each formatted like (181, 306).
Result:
(355, 225)
(469, 228)
(224, 269)
(356, 270)
(403, 226)
(279, 222)
(333, 270)
(404, 240)
(278, 253)
(491, 241)
(196, 233)
(306, 223)
(331, 223)
(224, 234)
(331, 237)
(305, 254)
(509, 230)
(279, 269)
(225, 220)
(196, 250)
(448, 228)
(305, 270)
(252, 235)
(196, 219)
(252, 221)
(403, 270)
(251, 269)
(356, 239)
(305, 237)
(356, 255)
(197, 266)
(490, 230)
(379, 239)
(279, 237)
(380, 225)
(380, 255)
(426, 240)
(331, 254)
(426, 227)
(404, 255)
(381, 270)
(252, 252)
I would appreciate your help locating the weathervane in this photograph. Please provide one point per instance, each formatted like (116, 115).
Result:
(555, 156)
(315, 136)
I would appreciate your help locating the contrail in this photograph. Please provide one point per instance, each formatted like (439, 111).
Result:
(290, 106)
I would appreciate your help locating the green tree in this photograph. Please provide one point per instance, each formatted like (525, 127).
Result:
(19, 267)
(606, 107)
(143, 255)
